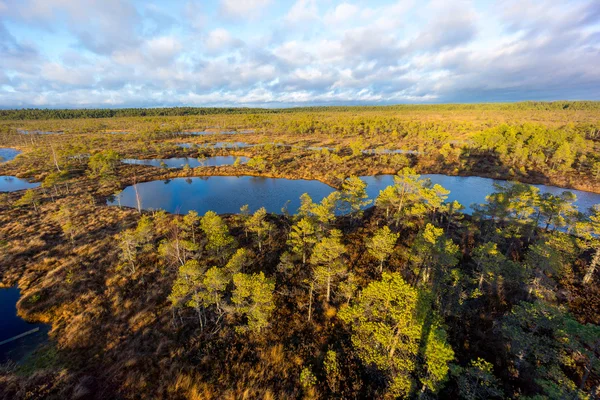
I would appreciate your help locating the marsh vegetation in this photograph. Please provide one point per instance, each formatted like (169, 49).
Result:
(432, 281)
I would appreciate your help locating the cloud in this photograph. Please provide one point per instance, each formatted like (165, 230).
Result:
(341, 13)
(220, 40)
(303, 11)
(126, 53)
(163, 49)
(243, 9)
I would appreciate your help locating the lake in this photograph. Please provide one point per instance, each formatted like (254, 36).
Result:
(12, 184)
(226, 194)
(7, 154)
(469, 190)
(13, 325)
(192, 162)
(223, 194)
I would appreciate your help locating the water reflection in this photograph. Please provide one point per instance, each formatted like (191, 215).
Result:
(469, 190)
(227, 194)
(182, 161)
(7, 154)
(13, 326)
(222, 194)
(12, 184)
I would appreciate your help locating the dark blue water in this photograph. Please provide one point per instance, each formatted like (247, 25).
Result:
(223, 194)
(7, 154)
(469, 190)
(12, 184)
(227, 194)
(12, 325)
(192, 162)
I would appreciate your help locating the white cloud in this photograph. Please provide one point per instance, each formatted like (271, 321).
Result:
(243, 9)
(220, 40)
(163, 48)
(117, 52)
(57, 73)
(303, 11)
(342, 13)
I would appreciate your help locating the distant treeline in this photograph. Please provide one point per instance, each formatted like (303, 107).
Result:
(40, 114)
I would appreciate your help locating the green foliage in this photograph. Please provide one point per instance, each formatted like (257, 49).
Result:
(411, 197)
(381, 245)
(489, 261)
(433, 253)
(332, 370)
(324, 212)
(327, 261)
(533, 145)
(188, 279)
(307, 379)
(29, 198)
(217, 233)
(253, 298)
(257, 163)
(354, 195)
(241, 259)
(104, 163)
(132, 242)
(259, 225)
(391, 325)
(545, 343)
(552, 255)
(302, 238)
(477, 381)
(55, 178)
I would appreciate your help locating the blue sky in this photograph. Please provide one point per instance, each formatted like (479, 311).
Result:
(270, 53)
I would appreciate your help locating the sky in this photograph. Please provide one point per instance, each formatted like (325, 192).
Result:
(280, 53)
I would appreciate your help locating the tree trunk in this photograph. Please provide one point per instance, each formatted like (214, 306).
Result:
(310, 299)
(589, 274)
(480, 280)
(54, 157)
(137, 199)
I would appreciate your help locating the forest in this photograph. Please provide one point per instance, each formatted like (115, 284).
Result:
(405, 294)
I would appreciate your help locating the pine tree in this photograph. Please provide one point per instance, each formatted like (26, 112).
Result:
(302, 238)
(217, 233)
(393, 330)
(327, 261)
(381, 245)
(354, 195)
(259, 225)
(253, 298)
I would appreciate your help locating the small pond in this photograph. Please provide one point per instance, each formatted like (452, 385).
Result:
(13, 325)
(7, 154)
(192, 162)
(225, 194)
(12, 184)
(36, 132)
(213, 132)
